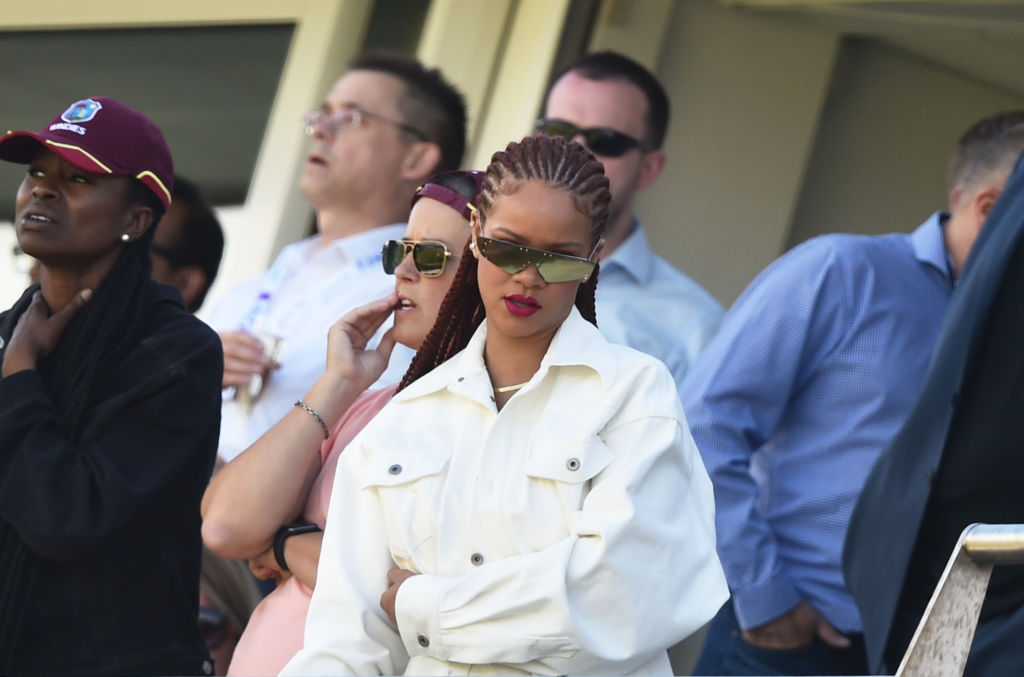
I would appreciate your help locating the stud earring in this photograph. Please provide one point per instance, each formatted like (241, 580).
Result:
(125, 237)
(472, 245)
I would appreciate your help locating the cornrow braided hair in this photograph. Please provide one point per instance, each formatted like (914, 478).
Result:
(557, 163)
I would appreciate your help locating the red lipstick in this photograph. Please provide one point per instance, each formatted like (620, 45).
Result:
(521, 306)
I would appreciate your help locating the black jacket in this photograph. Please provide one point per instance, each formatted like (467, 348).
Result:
(112, 522)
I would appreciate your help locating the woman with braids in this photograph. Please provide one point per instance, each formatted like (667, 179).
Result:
(109, 413)
(269, 503)
(530, 500)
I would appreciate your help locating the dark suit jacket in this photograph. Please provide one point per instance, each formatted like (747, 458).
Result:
(886, 520)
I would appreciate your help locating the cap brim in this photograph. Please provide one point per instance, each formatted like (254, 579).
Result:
(22, 146)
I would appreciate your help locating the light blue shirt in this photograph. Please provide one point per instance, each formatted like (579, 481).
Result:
(813, 371)
(645, 303)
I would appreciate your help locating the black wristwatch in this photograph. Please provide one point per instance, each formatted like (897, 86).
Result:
(284, 533)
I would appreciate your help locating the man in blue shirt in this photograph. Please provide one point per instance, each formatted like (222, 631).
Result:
(814, 370)
(620, 112)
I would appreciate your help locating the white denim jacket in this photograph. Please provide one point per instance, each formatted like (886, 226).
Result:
(571, 532)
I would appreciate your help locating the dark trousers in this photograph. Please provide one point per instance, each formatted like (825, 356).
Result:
(727, 653)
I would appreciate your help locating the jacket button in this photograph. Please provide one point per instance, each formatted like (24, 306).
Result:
(423, 641)
(461, 379)
(395, 469)
(476, 558)
(573, 464)
(207, 667)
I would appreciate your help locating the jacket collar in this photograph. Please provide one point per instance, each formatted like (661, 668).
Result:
(577, 343)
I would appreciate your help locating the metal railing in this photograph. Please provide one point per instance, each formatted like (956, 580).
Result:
(943, 639)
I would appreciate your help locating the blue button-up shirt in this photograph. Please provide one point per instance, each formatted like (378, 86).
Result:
(646, 304)
(811, 374)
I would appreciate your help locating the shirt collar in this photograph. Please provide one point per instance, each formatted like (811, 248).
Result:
(362, 248)
(633, 256)
(576, 343)
(929, 245)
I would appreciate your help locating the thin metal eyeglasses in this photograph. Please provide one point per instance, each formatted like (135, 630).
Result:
(350, 118)
(428, 256)
(553, 267)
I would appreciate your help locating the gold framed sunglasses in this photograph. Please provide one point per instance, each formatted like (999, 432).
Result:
(428, 256)
(553, 267)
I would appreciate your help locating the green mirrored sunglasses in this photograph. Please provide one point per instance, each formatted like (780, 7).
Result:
(553, 267)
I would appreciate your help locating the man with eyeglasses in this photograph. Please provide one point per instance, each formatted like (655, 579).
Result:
(384, 127)
(619, 111)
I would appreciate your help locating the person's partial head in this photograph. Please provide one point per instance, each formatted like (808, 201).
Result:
(424, 262)
(537, 234)
(619, 111)
(972, 140)
(227, 597)
(385, 126)
(982, 183)
(188, 245)
(99, 178)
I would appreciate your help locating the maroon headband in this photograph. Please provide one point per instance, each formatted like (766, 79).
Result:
(447, 196)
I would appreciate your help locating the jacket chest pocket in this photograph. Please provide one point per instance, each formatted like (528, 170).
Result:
(408, 486)
(567, 467)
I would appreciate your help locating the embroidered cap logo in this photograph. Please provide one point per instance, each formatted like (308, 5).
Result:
(81, 111)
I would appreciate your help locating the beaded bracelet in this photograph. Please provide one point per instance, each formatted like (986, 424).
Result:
(315, 414)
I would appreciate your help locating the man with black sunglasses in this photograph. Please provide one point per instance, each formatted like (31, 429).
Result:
(382, 130)
(619, 111)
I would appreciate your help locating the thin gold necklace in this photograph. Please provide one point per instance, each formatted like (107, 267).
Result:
(508, 389)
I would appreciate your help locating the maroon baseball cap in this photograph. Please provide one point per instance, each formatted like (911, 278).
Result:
(101, 135)
(446, 195)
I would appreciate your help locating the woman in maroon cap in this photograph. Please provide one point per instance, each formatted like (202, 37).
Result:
(109, 413)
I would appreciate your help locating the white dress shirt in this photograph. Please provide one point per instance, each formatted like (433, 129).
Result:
(645, 303)
(571, 532)
(308, 289)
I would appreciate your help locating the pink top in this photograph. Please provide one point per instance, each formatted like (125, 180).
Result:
(275, 629)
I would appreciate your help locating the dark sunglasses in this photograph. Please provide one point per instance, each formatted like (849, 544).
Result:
(213, 624)
(553, 267)
(429, 256)
(600, 140)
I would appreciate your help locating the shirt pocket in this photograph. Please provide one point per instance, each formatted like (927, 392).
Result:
(408, 486)
(568, 466)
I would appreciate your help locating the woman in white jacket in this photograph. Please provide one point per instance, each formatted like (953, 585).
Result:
(535, 503)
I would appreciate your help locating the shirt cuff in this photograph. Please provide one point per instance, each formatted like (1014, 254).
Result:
(417, 610)
(759, 604)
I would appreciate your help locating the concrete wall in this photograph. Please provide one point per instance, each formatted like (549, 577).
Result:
(885, 138)
(747, 91)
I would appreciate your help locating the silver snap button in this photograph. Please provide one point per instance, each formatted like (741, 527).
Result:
(573, 464)
(395, 469)
(476, 558)
(207, 668)
(423, 641)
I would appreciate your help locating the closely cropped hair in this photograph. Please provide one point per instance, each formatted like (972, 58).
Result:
(430, 103)
(609, 65)
(996, 157)
(201, 240)
(974, 139)
(557, 163)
